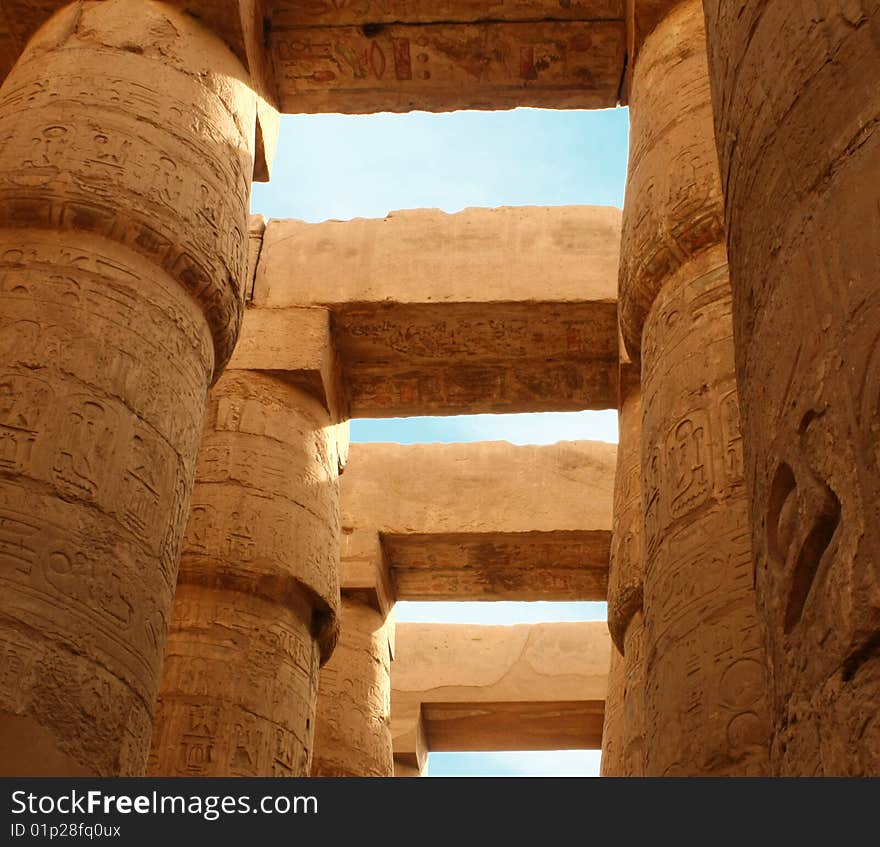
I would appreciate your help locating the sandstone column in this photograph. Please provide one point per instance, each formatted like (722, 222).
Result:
(353, 735)
(611, 763)
(626, 578)
(797, 108)
(257, 595)
(704, 700)
(126, 154)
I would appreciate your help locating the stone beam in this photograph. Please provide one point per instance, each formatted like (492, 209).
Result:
(534, 687)
(487, 310)
(454, 54)
(481, 521)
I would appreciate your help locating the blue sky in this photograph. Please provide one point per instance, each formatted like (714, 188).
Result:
(341, 167)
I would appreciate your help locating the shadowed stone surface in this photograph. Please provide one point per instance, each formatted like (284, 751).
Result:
(704, 680)
(353, 732)
(797, 114)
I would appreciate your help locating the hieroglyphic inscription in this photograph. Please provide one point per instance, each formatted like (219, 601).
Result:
(104, 372)
(136, 172)
(258, 587)
(400, 67)
(353, 735)
(705, 698)
(124, 182)
(239, 687)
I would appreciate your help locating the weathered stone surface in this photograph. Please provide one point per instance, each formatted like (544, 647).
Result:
(705, 704)
(633, 734)
(369, 57)
(353, 731)
(330, 13)
(257, 594)
(295, 345)
(622, 741)
(704, 701)
(673, 201)
(626, 566)
(124, 185)
(641, 16)
(488, 310)
(447, 66)
(423, 256)
(797, 114)
(536, 687)
(239, 23)
(611, 763)
(486, 521)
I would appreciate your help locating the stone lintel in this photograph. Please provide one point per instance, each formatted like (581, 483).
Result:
(487, 310)
(440, 67)
(292, 13)
(531, 687)
(480, 521)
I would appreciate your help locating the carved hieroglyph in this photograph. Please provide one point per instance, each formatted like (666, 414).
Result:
(445, 66)
(353, 732)
(257, 595)
(797, 114)
(124, 185)
(705, 710)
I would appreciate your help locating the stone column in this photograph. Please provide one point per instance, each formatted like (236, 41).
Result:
(126, 155)
(797, 104)
(353, 734)
(634, 697)
(705, 709)
(257, 595)
(611, 763)
(626, 575)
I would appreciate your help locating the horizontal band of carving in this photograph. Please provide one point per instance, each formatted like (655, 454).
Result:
(274, 585)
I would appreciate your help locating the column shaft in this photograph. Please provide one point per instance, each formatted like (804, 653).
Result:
(705, 699)
(126, 152)
(353, 735)
(797, 94)
(256, 601)
(612, 729)
(634, 697)
(626, 579)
